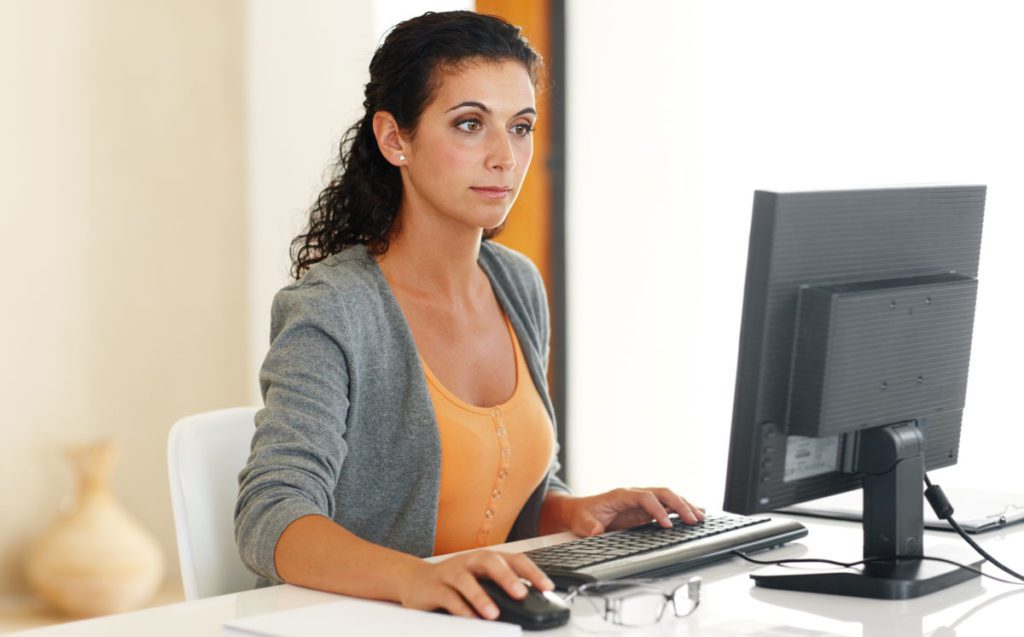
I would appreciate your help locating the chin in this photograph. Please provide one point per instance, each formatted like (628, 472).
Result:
(494, 225)
(489, 220)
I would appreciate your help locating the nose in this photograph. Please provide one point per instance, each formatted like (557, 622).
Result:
(501, 155)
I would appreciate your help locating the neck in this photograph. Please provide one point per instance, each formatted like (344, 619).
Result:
(441, 262)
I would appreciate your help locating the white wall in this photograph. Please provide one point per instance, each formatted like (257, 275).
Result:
(633, 254)
(666, 145)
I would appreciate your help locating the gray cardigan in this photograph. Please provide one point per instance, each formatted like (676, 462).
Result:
(348, 428)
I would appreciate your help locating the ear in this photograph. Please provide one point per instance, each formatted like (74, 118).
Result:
(389, 138)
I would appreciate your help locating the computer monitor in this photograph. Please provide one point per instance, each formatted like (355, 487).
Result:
(854, 348)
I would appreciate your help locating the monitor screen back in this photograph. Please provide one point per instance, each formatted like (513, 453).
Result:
(823, 239)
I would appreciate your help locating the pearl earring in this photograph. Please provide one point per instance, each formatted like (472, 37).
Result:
(401, 158)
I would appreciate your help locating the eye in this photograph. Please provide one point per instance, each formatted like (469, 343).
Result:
(522, 129)
(469, 125)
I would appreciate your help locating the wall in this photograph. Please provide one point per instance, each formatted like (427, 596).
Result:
(633, 249)
(122, 244)
(736, 95)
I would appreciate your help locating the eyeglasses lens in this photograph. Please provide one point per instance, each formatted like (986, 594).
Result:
(642, 608)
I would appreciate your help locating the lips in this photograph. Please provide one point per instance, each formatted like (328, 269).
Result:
(492, 192)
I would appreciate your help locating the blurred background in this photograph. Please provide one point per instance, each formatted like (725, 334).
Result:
(157, 157)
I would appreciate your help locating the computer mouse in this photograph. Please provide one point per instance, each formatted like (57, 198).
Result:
(537, 611)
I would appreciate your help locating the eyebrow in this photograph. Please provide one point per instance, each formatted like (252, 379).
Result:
(482, 107)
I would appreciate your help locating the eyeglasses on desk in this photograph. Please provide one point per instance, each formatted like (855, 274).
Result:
(629, 603)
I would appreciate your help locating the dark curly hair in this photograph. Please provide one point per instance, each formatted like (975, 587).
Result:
(360, 204)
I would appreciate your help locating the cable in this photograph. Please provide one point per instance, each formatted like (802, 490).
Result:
(795, 560)
(944, 510)
(870, 560)
(942, 507)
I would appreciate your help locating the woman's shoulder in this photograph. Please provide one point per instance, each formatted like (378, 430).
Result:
(351, 270)
(348, 278)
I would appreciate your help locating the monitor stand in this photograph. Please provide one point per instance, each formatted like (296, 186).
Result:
(892, 461)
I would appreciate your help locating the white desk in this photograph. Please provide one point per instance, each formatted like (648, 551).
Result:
(730, 604)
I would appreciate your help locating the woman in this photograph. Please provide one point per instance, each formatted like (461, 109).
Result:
(407, 412)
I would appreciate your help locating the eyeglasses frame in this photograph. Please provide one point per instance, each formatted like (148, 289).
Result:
(613, 605)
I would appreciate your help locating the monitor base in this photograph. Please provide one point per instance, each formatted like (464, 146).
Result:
(896, 579)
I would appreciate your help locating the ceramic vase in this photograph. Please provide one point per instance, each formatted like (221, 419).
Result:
(96, 560)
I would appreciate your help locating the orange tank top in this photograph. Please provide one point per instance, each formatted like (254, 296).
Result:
(492, 459)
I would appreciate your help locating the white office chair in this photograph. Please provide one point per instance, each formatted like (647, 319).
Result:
(205, 452)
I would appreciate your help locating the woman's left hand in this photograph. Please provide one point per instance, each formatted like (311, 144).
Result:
(622, 508)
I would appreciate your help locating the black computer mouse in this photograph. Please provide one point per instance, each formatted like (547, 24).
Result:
(537, 611)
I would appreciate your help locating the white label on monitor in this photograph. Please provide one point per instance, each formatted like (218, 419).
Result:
(806, 457)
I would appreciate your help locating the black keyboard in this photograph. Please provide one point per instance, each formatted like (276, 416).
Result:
(652, 551)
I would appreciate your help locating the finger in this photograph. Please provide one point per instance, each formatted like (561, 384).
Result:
(584, 524)
(698, 512)
(452, 602)
(467, 586)
(646, 500)
(673, 501)
(525, 567)
(629, 519)
(499, 568)
(687, 512)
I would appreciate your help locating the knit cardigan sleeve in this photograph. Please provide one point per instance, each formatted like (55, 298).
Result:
(298, 445)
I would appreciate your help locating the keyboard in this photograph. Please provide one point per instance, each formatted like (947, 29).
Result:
(653, 551)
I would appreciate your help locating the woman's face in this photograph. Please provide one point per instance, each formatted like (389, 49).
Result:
(472, 146)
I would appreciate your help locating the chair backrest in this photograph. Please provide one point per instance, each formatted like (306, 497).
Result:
(205, 452)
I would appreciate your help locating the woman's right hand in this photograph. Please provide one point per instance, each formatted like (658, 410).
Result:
(452, 584)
